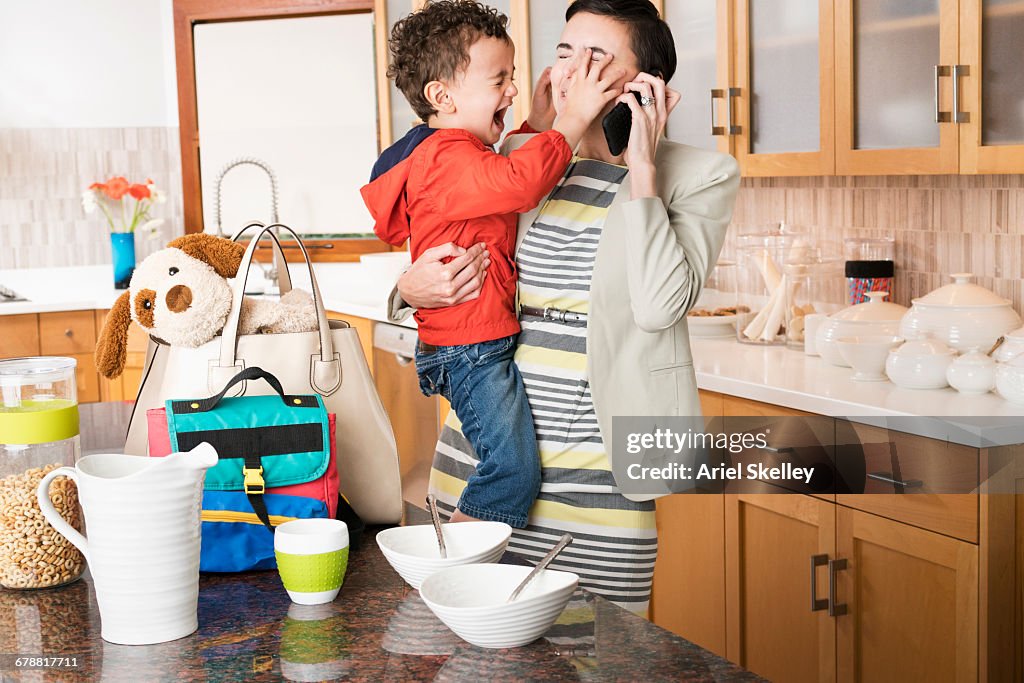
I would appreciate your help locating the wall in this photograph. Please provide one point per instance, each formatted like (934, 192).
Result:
(87, 90)
(942, 224)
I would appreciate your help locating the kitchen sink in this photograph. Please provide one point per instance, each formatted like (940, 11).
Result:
(9, 296)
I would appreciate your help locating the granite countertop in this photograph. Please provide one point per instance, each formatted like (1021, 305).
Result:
(377, 629)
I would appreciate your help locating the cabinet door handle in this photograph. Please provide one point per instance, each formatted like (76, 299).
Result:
(958, 71)
(69, 333)
(941, 116)
(834, 566)
(889, 479)
(816, 602)
(724, 94)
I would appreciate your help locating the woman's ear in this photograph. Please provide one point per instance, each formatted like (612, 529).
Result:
(438, 97)
(112, 347)
(224, 255)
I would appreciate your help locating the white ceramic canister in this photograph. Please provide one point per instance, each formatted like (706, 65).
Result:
(972, 373)
(920, 364)
(142, 517)
(962, 314)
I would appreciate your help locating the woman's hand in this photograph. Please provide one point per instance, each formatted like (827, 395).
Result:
(542, 109)
(648, 126)
(431, 283)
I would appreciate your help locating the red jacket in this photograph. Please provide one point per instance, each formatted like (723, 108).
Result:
(452, 188)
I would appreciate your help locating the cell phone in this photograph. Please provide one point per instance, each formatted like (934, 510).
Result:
(617, 124)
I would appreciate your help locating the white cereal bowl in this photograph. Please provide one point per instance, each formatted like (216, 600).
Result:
(920, 364)
(867, 355)
(472, 600)
(412, 550)
(873, 318)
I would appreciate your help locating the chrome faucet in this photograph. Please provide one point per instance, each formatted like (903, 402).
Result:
(241, 161)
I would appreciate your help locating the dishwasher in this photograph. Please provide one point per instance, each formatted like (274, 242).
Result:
(414, 417)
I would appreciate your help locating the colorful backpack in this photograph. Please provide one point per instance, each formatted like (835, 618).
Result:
(278, 462)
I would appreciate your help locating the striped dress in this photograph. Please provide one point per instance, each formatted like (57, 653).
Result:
(615, 540)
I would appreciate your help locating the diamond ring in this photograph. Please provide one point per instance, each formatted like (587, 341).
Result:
(646, 101)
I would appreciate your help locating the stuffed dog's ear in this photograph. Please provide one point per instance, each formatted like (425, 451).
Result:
(112, 347)
(224, 255)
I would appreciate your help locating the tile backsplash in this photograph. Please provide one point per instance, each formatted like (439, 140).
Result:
(942, 224)
(43, 172)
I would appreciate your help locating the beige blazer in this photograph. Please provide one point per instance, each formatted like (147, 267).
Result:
(652, 260)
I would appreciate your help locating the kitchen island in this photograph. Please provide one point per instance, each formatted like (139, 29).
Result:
(377, 629)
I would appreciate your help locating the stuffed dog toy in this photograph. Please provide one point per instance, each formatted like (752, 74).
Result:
(180, 295)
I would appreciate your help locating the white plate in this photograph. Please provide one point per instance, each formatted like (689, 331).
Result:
(711, 325)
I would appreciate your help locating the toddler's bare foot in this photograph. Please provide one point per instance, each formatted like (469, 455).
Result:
(459, 516)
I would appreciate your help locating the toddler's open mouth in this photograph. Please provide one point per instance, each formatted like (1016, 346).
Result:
(499, 118)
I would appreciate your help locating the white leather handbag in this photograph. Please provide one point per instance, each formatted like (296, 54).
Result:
(328, 361)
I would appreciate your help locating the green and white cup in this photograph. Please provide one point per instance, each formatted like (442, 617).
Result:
(312, 555)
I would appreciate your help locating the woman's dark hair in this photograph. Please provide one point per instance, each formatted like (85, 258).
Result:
(433, 45)
(650, 36)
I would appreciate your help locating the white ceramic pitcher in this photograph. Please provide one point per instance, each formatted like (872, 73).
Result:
(142, 520)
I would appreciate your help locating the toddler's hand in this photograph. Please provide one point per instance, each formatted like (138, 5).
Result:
(592, 88)
(542, 110)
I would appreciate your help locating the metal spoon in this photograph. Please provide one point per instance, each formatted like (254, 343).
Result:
(559, 547)
(432, 504)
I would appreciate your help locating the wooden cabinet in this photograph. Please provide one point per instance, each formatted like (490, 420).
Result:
(919, 578)
(918, 481)
(893, 101)
(67, 333)
(19, 336)
(125, 387)
(992, 90)
(771, 577)
(784, 80)
(852, 87)
(911, 603)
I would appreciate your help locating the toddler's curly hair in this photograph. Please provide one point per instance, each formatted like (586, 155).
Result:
(433, 45)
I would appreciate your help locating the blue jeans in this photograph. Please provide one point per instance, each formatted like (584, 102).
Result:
(484, 386)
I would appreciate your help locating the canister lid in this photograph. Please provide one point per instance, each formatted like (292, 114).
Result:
(962, 292)
(870, 269)
(34, 370)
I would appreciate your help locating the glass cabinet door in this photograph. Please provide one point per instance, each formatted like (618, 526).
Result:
(895, 69)
(701, 30)
(784, 54)
(992, 137)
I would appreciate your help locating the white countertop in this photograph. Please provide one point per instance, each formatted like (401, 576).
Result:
(790, 378)
(770, 374)
(346, 288)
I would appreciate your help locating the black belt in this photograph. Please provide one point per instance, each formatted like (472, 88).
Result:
(556, 314)
(425, 349)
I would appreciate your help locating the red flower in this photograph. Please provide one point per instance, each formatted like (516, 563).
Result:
(139, 192)
(116, 187)
(98, 186)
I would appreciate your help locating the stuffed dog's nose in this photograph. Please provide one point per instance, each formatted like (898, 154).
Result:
(179, 298)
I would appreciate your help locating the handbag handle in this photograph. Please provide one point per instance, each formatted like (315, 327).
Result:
(284, 278)
(325, 370)
(203, 405)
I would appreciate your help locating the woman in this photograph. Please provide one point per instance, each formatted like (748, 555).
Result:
(608, 267)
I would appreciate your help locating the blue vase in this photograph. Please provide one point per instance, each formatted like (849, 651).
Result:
(122, 248)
